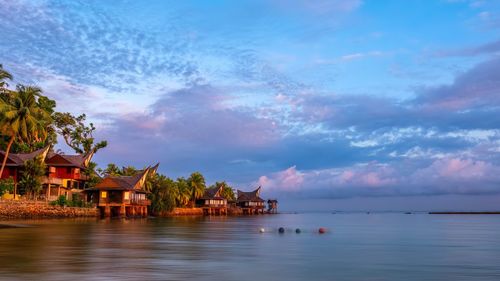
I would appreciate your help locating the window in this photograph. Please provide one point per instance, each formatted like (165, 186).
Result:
(126, 195)
(104, 194)
(68, 170)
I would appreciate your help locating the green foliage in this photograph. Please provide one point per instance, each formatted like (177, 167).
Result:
(91, 174)
(129, 171)
(61, 201)
(163, 193)
(227, 191)
(4, 75)
(22, 119)
(196, 183)
(76, 201)
(31, 177)
(111, 170)
(76, 133)
(184, 192)
(6, 185)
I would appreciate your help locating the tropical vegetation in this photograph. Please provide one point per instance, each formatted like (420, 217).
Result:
(29, 121)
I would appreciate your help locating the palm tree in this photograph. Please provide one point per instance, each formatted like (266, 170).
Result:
(196, 183)
(111, 170)
(183, 192)
(4, 75)
(22, 119)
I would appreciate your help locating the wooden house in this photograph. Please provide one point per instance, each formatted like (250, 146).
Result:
(15, 163)
(250, 202)
(212, 202)
(272, 206)
(121, 195)
(65, 174)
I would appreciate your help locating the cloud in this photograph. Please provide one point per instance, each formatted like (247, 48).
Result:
(104, 51)
(484, 49)
(439, 177)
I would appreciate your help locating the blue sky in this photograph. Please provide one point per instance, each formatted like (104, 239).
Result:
(359, 103)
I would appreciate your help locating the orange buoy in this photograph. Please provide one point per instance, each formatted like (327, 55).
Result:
(322, 230)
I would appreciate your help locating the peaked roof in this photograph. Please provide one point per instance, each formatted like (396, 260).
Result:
(18, 159)
(212, 193)
(78, 160)
(250, 195)
(135, 182)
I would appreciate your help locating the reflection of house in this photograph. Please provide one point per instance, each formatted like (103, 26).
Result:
(250, 202)
(65, 174)
(121, 195)
(212, 202)
(15, 163)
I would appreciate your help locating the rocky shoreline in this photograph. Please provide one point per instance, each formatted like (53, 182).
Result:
(31, 209)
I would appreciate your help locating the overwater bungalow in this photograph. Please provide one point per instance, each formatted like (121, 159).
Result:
(272, 206)
(212, 203)
(64, 175)
(121, 196)
(250, 202)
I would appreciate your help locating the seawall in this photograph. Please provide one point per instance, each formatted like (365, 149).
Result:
(32, 209)
(182, 212)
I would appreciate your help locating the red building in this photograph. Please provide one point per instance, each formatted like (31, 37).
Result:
(15, 163)
(65, 174)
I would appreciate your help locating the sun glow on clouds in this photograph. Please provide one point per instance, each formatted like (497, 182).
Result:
(305, 98)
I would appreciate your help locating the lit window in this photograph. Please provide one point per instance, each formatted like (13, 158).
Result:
(104, 194)
(126, 196)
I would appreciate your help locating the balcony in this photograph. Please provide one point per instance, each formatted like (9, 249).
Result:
(49, 180)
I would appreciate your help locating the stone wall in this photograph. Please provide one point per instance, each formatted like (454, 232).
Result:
(182, 212)
(10, 209)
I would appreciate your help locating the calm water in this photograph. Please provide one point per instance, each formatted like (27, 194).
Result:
(357, 247)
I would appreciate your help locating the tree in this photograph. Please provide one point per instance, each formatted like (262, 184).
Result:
(226, 192)
(4, 75)
(111, 170)
(77, 134)
(30, 182)
(196, 183)
(163, 194)
(129, 171)
(91, 174)
(183, 192)
(22, 119)
(6, 185)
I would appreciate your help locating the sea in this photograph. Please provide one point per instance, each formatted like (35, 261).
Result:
(356, 246)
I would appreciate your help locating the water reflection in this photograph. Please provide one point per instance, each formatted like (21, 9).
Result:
(357, 247)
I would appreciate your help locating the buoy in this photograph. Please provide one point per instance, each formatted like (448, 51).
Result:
(297, 230)
(262, 230)
(322, 230)
(281, 230)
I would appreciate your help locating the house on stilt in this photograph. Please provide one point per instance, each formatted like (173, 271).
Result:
(212, 203)
(121, 196)
(250, 202)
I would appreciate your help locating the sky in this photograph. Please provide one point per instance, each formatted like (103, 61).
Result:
(355, 104)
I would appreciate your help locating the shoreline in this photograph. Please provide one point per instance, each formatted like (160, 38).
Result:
(27, 210)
